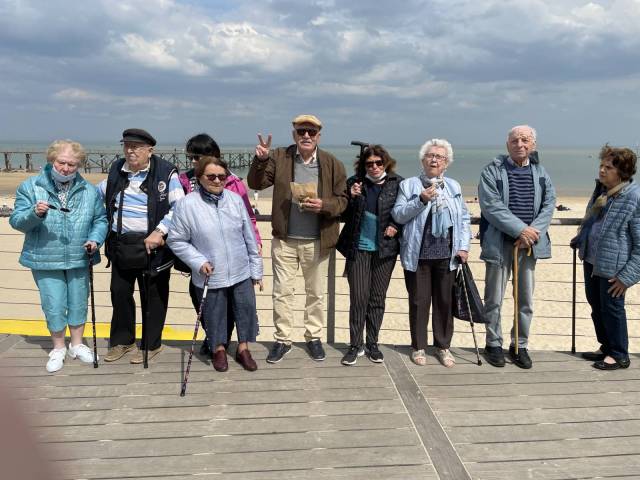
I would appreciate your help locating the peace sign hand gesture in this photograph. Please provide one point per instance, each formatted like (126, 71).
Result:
(263, 147)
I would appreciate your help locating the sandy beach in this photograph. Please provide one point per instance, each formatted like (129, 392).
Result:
(551, 328)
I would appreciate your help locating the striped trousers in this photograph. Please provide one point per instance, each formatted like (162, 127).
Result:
(369, 277)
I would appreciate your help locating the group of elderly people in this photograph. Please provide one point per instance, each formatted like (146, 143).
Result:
(150, 217)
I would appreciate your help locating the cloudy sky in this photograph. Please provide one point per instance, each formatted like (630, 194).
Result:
(394, 72)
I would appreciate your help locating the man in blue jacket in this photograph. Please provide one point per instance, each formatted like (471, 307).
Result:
(517, 200)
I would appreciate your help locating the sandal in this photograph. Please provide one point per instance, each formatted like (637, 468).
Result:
(419, 357)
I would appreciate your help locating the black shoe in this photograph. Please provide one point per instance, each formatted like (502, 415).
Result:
(278, 350)
(522, 359)
(352, 355)
(494, 355)
(602, 365)
(204, 348)
(374, 354)
(593, 356)
(315, 350)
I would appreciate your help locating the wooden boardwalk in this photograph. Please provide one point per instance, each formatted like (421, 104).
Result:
(309, 420)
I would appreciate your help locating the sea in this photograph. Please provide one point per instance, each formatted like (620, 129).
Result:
(572, 169)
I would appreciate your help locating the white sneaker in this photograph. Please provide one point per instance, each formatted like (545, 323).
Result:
(82, 352)
(56, 359)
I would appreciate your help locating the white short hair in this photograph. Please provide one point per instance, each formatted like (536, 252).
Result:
(519, 127)
(436, 142)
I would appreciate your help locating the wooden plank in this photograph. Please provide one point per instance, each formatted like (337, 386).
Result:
(142, 386)
(537, 416)
(561, 468)
(554, 431)
(223, 398)
(513, 390)
(238, 462)
(213, 411)
(393, 472)
(363, 422)
(219, 442)
(501, 403)
(9, 342)
(443, 456)
(566, 448)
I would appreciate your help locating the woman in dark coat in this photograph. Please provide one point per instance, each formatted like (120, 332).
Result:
(369, 242)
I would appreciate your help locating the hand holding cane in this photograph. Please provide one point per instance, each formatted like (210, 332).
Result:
(205, 288)
(93, 306)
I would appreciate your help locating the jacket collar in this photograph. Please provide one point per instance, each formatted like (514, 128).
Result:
(45, 181)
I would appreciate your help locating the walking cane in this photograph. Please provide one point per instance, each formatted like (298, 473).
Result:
(93, 309)
(515, 295)
(573, 307)
(147, 313)
(205, 288)
(473, 331)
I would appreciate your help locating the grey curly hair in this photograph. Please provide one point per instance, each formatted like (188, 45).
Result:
(436, 142)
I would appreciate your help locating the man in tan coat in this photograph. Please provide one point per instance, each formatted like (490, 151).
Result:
(304, 230)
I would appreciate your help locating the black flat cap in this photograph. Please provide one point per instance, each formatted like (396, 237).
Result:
(138, 135)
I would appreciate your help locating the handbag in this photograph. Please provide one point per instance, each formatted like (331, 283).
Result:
(467, 303)
(127, 250)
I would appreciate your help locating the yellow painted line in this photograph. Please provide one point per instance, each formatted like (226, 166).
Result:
(37, 327)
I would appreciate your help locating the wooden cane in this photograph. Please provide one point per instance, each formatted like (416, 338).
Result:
(515, 295)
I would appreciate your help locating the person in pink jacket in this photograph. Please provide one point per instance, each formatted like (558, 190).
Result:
(204, 145)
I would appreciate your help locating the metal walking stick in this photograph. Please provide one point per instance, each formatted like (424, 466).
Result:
(515, 296)
(93, 309)
(473, 331)
(573, 307)
(183, 390)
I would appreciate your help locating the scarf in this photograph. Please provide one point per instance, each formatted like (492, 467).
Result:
(211, 197)
(440, 215)
(601, 201)
(63, 184)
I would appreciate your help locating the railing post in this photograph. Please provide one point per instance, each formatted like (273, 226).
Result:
(7, 161)
(331, 298)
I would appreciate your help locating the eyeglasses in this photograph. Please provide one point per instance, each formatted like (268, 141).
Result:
(377, 163)
(216, 176)
(438, 157)
(311, 131)
(193, 158)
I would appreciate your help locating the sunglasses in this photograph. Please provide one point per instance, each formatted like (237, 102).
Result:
(377, 163)
(216, 176)
(62, 209)
(301, 131)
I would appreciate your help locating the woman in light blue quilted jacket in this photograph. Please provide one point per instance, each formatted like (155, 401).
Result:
(609, 244)
(64, 221)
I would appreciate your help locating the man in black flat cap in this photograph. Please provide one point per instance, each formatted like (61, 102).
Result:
(140, 193)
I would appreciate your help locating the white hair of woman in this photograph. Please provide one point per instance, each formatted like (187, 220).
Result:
(436, 142)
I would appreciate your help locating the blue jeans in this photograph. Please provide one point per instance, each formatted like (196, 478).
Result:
(608, 315)
(242, 298)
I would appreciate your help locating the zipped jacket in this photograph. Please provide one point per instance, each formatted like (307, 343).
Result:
(56, 241)
(352, 216)
(618, 248)
(221, 234)
(412, 213)
(499, 223)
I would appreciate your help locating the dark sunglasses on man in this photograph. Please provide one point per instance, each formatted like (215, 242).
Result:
(311, 131)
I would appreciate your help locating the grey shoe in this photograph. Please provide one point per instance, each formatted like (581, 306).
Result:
(119, 351)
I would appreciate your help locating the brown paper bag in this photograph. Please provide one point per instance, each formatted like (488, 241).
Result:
(302, 191)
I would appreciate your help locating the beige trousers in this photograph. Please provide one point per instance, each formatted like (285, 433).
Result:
(286, 256)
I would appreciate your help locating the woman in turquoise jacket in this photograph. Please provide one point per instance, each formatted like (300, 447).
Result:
(64, 221)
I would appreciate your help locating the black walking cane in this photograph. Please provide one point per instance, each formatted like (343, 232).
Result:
(147, 313)
(93, 308)
(573, 307)
(473, 330)
(183, 390)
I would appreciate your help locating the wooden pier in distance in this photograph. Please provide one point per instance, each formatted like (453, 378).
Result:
(98, 161)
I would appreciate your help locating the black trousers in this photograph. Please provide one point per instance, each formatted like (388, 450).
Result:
(195, 301)
(431, 282)
(123, 321)
(369, 277)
